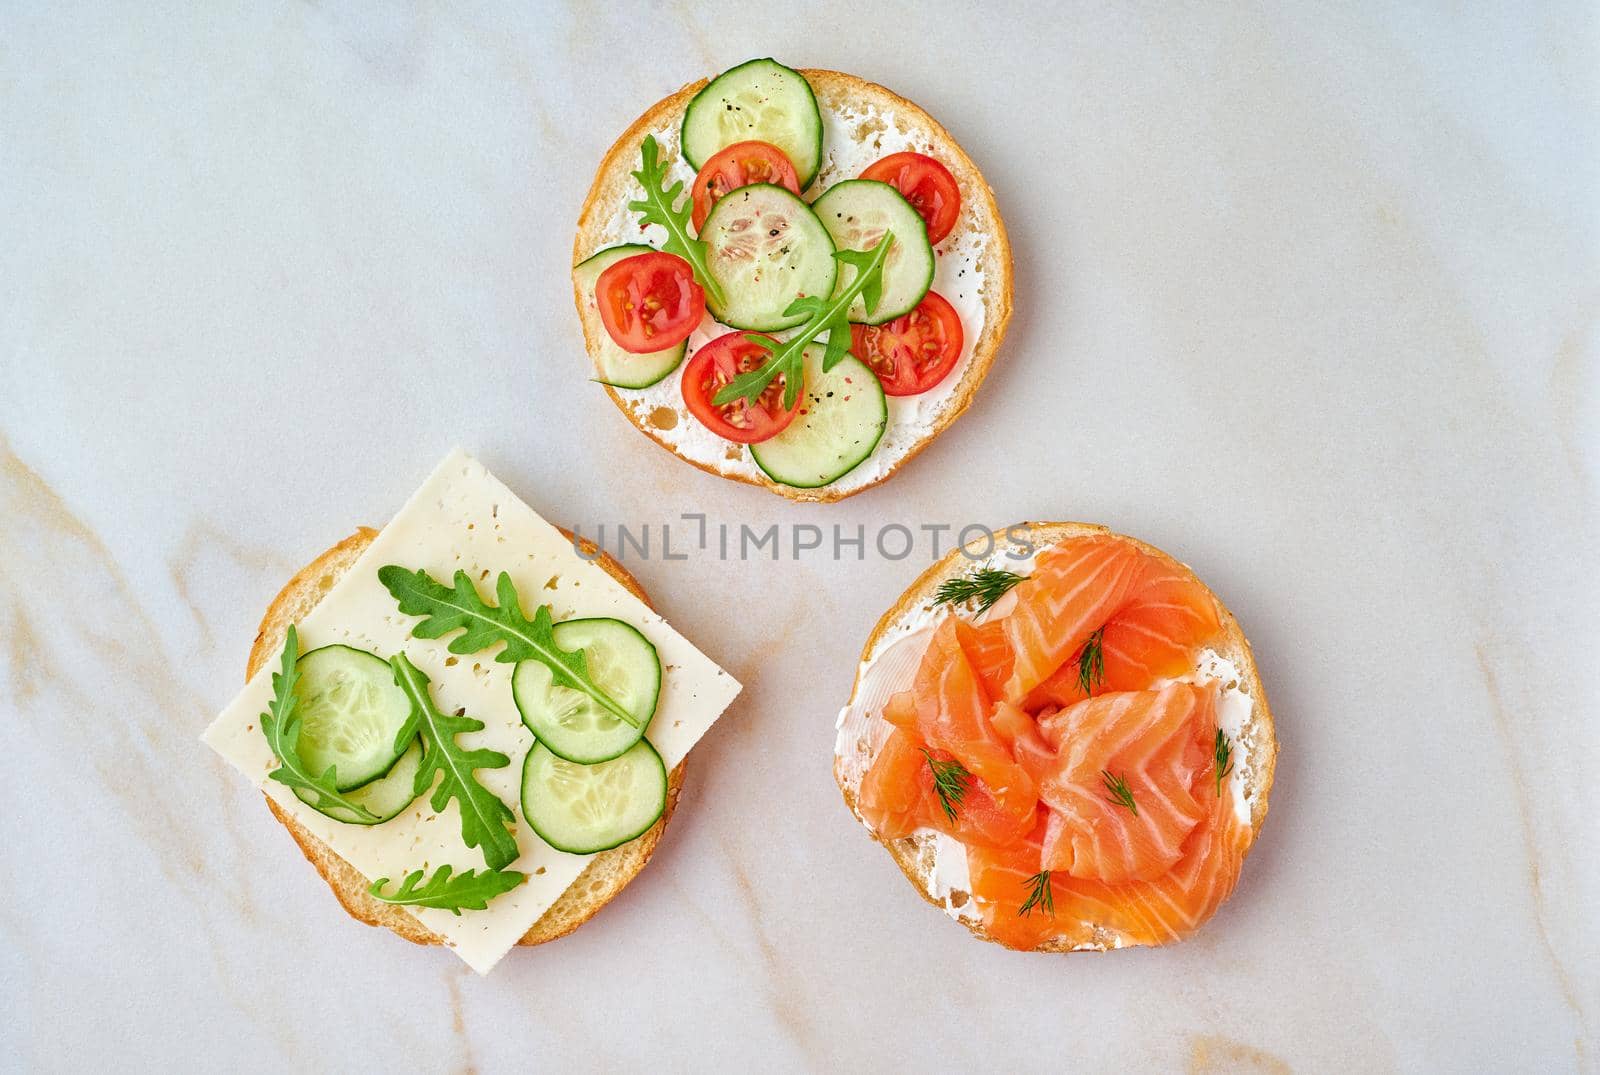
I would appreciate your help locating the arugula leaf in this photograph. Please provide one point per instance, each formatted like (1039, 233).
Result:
(444, 610)
(824, 315)
(871, 289)
(471, 890)
(281, 725)
(483, 816)
(660, 206)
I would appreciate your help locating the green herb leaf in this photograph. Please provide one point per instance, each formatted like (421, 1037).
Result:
(660, 206)
(469, 891)
(1040, 895)
(830, 316)
(951, 781)
(1223, 752)
(1092, 663)
(483, 816)
(839, 340)
(870, 283)
(986, 586)
(1121, 794)
(482, 625)
(281, 725)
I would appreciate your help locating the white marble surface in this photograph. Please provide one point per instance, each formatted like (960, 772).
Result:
(1308, 298)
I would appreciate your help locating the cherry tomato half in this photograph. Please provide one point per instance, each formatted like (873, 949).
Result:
(712, 367)
(740, 165)
(913, 353)
(926, 184)
(649, 302)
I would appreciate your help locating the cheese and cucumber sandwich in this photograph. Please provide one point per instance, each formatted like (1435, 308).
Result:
(473, 724)
(1060, 735)
(791, 278)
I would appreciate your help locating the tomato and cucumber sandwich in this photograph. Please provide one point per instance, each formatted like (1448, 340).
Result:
(791, 278)
(1060, 735)
(472, 723)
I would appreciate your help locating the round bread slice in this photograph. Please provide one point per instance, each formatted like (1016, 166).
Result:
(1256, 750)
(877, 121)
(605, 876)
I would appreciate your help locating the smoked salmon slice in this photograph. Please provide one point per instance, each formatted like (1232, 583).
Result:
(890, 799)
(1155, 634)
(1003, 883)
(990, 655)
(1174, 905)
(1074, 589)
(1028, 745)
(1156, 746)
(1168, 615)
(949, 711)
(1158, 911)
(898, 798)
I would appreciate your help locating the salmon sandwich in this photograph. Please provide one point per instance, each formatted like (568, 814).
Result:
(1061, 737)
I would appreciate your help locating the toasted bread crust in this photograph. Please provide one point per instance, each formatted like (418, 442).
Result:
(614, 181)
(607, 874)
(910, 853)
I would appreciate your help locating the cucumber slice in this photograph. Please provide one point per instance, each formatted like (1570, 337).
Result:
(856, 213)
(761, 100)
(766, 248)
(613, 365)
(842, 417)
(386, 796)
(622, 663)
(352, 710)
(582, 809)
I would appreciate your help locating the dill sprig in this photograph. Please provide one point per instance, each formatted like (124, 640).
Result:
(951, 780)
(1121, 794)
(985, 585)
(1092, 663)
(1040, 895)
(1224, 756)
